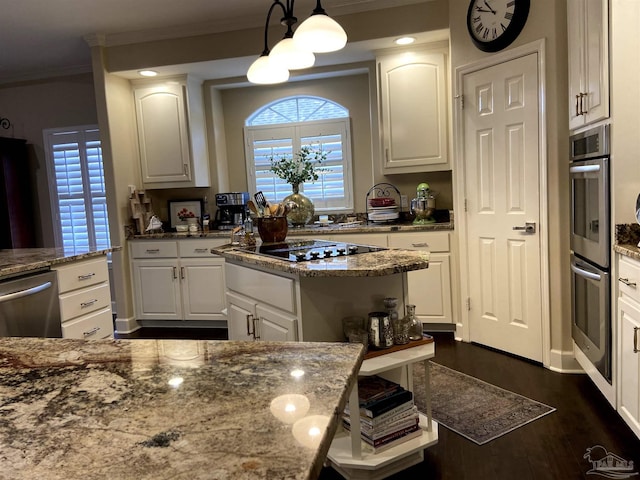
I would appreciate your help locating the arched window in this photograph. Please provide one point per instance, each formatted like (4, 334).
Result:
(281, 128)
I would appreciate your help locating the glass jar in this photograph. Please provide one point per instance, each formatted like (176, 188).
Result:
(415, 325)
(399, 326)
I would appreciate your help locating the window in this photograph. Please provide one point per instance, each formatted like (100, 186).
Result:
(282, 128)
(76, 183)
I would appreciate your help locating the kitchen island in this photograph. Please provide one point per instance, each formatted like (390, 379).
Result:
(270, 298)
(153, 409)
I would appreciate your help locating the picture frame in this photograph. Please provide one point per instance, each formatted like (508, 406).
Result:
(191, 206)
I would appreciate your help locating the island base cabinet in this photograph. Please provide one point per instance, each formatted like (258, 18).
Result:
(250, 320)
(157, 289)
(629, 379)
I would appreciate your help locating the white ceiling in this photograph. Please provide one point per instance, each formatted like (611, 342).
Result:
(42, 38)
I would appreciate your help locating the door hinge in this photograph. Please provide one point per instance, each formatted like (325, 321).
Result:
(465, 204)
(461, 98)
(468, 303)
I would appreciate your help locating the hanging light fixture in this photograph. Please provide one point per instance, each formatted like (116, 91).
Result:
(292, 53)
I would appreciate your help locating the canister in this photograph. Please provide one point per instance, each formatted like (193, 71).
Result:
(380, 330)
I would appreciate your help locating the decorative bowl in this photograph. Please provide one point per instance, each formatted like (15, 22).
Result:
(382, 201)
(272, 229)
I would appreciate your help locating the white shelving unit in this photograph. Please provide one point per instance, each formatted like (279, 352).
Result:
(353, 459)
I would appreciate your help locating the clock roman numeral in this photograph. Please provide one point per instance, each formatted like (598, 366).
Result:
(476, 19)
(511, 3)
(503, 27)
(508, 15)
(479, 27)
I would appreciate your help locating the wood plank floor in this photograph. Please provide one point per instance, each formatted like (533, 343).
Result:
(549, 448)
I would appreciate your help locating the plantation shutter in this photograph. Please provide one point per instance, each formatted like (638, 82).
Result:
(80, 195)
(330, 191)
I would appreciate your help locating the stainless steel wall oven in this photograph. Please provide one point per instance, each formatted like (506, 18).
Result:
(591, 246)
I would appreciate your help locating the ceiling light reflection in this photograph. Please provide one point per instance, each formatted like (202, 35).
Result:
(297, 373)
(308, 431)
(175, 382)
(290, 408)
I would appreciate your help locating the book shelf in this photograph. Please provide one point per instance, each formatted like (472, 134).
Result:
(352, 458)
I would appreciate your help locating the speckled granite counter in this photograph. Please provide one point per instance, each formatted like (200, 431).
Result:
(24, 260)
(170, 409)
(627, 238)
(374, 264)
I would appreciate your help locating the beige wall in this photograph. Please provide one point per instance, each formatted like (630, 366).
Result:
(34, 106)
(547, 19)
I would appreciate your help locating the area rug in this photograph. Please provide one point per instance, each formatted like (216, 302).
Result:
(477, 410)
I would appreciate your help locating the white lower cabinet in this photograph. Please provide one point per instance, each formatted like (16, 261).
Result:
(261, 305)
(628, 351)
(429, 289)
(85, 299)
(178, 280)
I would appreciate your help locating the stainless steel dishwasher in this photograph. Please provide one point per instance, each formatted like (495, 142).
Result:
(29, 306)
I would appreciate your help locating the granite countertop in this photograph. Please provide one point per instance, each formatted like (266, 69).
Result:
(627, 238)
(318, 230)
(373, 264)
(170, 409)
(24, 260)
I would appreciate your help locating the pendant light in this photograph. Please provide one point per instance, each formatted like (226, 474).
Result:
(320, 34)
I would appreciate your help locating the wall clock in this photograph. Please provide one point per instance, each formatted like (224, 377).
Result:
(495, 24)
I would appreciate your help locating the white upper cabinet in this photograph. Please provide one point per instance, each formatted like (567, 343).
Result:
(588, 36)
(171, 133)
(412, 94)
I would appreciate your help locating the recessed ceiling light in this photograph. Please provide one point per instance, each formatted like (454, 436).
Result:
(148, 73)
(404, 40)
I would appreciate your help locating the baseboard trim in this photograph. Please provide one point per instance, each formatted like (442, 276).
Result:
(564, 361)
(126, 325)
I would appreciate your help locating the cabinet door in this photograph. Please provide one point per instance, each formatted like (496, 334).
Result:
(156, 287)
(241, 317)
(588, 48)
(429, 289)
(629, 379)
(203, 296)
(413, 106)
(163, 135)
(275, 326)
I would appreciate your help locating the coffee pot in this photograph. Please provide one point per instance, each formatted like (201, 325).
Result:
(423, 205)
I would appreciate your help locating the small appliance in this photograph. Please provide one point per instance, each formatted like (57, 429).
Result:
(232, 210)
(423, 205)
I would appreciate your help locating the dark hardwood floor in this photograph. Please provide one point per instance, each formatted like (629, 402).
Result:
(549, 448)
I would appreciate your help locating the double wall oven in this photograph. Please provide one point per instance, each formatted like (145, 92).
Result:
(591, 246)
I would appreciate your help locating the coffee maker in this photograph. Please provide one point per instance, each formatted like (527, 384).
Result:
(232, 210)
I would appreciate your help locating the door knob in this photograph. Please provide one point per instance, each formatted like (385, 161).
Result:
(529, 227)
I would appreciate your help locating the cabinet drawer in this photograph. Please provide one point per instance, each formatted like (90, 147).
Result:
(264, 287)
(153, 249)
(200, 247)
(89, 327)
(87, 300)
(629, 277)
(432, 241)
(82, 274)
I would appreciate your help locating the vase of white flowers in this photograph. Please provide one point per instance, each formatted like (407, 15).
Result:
(304, 166)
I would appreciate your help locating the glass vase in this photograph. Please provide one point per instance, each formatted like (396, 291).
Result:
(415, 325)
(303, 212)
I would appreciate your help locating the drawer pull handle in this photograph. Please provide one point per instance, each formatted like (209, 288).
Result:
(627, 282)
(175, 273)
(88, 304)
(249, 323)
(182, 273)
(200, 250)
(420, 245)
(86, 277)
(152, 250)
(635, 339)
(91, 332)
(256, 333)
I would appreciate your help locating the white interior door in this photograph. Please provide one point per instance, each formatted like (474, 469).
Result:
(501, 158)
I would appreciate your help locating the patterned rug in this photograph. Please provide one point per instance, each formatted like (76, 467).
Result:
(477, 410)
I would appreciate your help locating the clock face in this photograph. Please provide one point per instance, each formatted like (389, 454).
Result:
(494, 24)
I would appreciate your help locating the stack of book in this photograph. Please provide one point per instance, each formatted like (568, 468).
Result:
(388, 415)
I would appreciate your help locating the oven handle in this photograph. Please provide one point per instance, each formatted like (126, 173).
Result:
(24, 293)
(584, 273)
(584, 168)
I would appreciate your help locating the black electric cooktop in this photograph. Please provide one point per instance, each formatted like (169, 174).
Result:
(304, 250)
